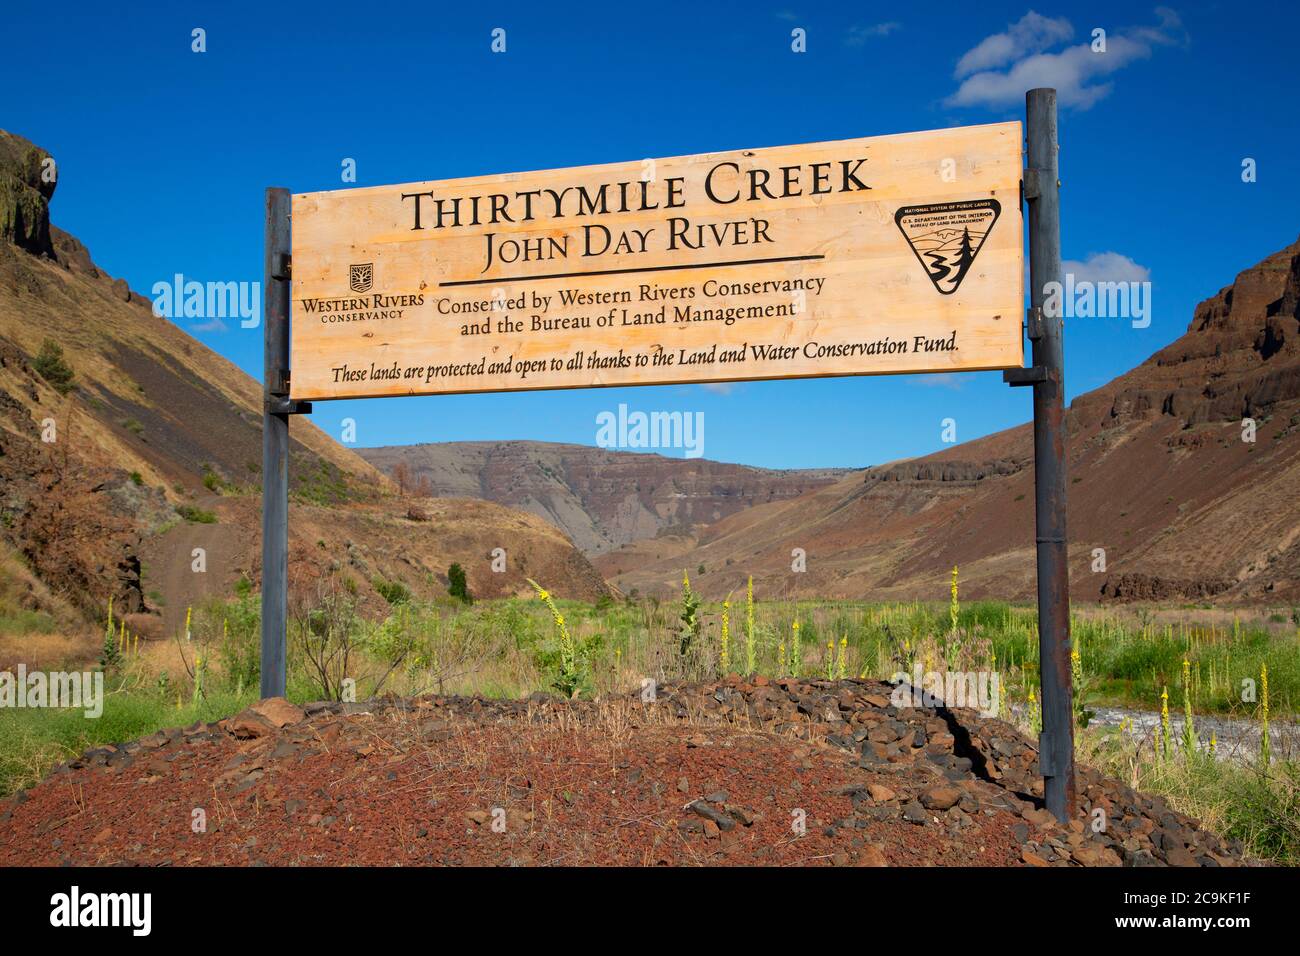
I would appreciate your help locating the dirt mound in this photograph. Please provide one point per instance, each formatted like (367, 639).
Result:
(793, 772)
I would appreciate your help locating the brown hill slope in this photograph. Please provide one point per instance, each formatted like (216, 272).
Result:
(1160, 479)
(601, 499)
(92, 473)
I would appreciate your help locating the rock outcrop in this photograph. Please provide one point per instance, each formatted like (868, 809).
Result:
(28, 176)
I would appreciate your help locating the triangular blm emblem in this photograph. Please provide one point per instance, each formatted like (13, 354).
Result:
(946, 237)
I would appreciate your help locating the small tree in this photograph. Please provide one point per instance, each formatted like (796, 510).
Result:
(49, 365)
(457, 587)
(402, 475)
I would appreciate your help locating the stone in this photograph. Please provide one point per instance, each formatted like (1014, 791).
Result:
(278, 711)
(915, 813)
(871, 856)
(247, 725)
(880, 793)
(940, 797)
(719, 819)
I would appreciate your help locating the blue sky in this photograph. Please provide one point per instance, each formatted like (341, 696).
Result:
(164, 154)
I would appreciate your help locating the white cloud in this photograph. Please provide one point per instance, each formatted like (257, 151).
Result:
(1076, 72)
(722, 388)
(1032, 33)
(939, 380)
(213, 325)
(858, 35)
(1106, 267)
(1099, 267)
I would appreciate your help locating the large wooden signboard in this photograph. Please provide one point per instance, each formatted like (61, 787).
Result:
(866, 256)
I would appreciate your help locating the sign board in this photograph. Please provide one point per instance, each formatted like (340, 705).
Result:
(867, 256)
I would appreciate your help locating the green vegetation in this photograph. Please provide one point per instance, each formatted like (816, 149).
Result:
(394, 592)
(50, 365)
(323, 484)
(133, 426)
(457, 587)
(215, 483)
(196, 514)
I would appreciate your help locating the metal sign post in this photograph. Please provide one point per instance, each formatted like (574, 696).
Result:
(1047, 376)
(277, 407)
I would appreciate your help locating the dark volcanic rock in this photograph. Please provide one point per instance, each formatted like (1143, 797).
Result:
(27, 182)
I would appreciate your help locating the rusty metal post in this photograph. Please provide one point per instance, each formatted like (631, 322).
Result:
(275, 443)
(1042, 191)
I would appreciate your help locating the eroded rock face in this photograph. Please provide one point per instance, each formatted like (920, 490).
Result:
(957, 471)
(1239, 358)
(27, 180)
(601, 499)
(1147, 587)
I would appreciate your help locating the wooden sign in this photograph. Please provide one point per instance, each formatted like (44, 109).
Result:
(865, 256)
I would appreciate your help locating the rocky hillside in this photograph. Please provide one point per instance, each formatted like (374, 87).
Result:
(601, 499)
(1160, 479)
(131, 444)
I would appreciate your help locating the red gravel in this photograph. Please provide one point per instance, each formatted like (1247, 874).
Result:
(381, 795)
(715, 773)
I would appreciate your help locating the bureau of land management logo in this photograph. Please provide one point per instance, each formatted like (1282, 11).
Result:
(361, 276)
(946, 237)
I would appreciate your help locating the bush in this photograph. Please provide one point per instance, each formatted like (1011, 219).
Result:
(457, 587)
(197, 515)
(49, 365)
(394, 592)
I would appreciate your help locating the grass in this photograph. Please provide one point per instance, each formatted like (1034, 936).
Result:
(196, 514)
(1259, 807)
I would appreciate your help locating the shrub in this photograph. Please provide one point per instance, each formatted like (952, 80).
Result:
(456, 584)
(394, 592)
(49, 365)
(196, 515)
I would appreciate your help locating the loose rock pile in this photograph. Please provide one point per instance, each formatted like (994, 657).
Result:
(887, 775)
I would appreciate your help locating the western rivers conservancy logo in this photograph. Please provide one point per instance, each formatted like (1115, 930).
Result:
(361, 277)
(946, 237)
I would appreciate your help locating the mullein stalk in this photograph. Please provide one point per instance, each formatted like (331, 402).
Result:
(1164, 721)
(751, 659)
(1189, 730)
(724, 653)
(1265, 747)
(568, 649)
(796, 652)
(200, 665)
